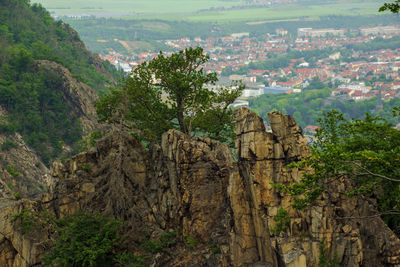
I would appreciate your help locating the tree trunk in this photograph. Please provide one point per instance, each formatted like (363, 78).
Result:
(180, 115)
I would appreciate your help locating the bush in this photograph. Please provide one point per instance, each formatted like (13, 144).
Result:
(24, 220)
(324, 260)
(84, 240)
(282, 221)
(12, 171)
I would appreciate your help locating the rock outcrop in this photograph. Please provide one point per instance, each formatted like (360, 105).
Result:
(21, 170)
(348, 226)
(194, 186)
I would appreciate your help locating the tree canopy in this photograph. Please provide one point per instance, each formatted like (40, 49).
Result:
(172, 92)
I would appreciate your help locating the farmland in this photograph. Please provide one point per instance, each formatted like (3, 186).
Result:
(206, 10)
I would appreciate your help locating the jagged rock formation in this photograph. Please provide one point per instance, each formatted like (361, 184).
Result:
(195, 185)
(349, 226)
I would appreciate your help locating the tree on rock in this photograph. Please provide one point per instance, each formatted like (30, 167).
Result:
(172, 92)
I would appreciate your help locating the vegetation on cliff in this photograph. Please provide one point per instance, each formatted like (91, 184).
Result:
(363, 151)
(31, 94)
(172, 92)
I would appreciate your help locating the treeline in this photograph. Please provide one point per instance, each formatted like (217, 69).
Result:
(278, 61)
(29, 93)
(377, 44)
(93, 29)
(307, 107)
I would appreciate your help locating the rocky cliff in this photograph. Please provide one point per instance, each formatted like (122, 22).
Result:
(49, 83)
(22, 171)
(225, 207)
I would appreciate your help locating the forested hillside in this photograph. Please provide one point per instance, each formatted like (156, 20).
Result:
(29, 91)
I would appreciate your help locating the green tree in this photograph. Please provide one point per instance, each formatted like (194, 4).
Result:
(172, 92)
(84, 240)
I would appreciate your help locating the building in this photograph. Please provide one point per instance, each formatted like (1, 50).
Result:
(240, 35)
(240, 103)
(281, 32)
(246, 79)
(310, 32)
(389, 30)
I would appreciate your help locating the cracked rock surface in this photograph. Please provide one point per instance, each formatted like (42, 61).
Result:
(228, 206)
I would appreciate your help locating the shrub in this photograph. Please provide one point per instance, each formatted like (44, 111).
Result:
(129, 260)
(8, 144)
(84, 240)
(12, 171)
(282, 221)
(24, 220)
(324, 260)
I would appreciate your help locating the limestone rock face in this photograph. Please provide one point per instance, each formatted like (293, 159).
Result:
(349, 227)
(223, 209)
(16, 248)
(198, 172)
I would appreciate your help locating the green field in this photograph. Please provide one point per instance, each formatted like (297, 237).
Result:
(140, 8)
(289, 12)
(207, 10)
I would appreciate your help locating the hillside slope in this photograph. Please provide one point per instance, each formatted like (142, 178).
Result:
(49, 83)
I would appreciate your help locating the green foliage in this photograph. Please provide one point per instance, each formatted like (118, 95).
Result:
(89, 141)
(282, 221)
(129, 260)
(93, 137)
(171, 92)
(84, 240)
(12, 171)
(30, 92)
(310, 105)
(392, 7)
(17, 196)
(376, 44)
(166, 240)
(85, 167)
(366, 151)
(8, 144)
(213, 246)
(152, 246)
(25, 220)
(190, 242)
(81, 239)
(324, 260)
